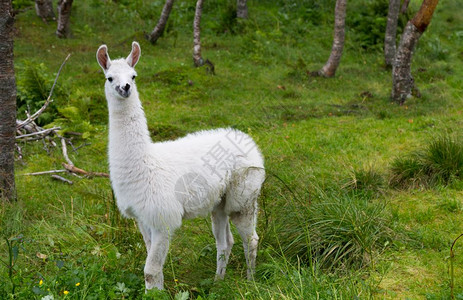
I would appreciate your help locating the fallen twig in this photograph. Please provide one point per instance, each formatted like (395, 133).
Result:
(47, 102)
(81, 146)
(65, 151)
(43, 132)
(74, 169)
(44, 172)
(57, 177)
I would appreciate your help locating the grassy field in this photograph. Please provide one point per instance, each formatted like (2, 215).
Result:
(333, 222)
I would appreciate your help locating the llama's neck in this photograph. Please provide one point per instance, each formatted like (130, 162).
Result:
(128, 131)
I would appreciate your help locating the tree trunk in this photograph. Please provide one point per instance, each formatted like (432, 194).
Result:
(391, 31)
(404, 8)
(64, 15)
(241, 9)
(7, 103)
(402, 79)
(197, 59)
(44, 9)
(159, 29)
(329, 69)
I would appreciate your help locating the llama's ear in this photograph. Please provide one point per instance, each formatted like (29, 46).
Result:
(134, 56)
(103, 58)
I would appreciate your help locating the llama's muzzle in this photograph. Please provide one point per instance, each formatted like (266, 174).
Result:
(124, 91)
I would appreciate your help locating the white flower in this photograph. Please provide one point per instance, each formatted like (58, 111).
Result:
(97, 251)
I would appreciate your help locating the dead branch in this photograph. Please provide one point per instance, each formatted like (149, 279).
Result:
(43, 133)
(44, 172)
(65, 151)
(57, 177)
(47, 102)
(74, 169)
(28, 130)
(81, 146)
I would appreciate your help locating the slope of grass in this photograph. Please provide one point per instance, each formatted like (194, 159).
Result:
(326, 143)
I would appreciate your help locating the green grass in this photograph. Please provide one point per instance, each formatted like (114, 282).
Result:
(331, 226)
(441, 162)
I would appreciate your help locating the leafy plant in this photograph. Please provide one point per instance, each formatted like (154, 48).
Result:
(226, 20)
(367, 21)
(22, 4)
(33, 87)
(122, 290)
(14, 245)
(313, 11)
(71, 119)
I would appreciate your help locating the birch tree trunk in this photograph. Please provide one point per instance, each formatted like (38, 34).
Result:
(159, 28)
(402, 79)
(64, 15)
(44, 9)
(7, 103)
(329, 69)
(391, 32)
(404, 8)
(197, 59)
(241, 9)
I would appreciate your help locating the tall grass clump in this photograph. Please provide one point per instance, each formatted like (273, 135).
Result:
(440, 162)
(338, 231)
(366, 181)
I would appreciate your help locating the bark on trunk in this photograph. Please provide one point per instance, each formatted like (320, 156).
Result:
(159, 29)
(44, 9)
(241, 9)
(404, 8)
(423, 17)
(402, 79)
(329, 69)
(391, 32)
(64, 15)
(7, 103)
(197, 59)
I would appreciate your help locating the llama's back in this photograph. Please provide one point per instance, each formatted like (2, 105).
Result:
(218, 150)
(210, 164)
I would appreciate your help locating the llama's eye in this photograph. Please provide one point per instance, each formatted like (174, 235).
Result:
(133, 77)
(110, 79)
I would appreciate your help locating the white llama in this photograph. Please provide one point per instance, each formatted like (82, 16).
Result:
(216, 171)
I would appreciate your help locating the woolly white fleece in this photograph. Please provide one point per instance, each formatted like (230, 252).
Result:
(159, 184)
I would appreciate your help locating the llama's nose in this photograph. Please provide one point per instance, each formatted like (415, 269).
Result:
(126, 87)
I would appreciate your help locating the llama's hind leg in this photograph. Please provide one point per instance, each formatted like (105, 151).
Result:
(155, 261)
(223, 239)
(245, 223)
(242, 201)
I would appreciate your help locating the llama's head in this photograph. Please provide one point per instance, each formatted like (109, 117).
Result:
(120, 73)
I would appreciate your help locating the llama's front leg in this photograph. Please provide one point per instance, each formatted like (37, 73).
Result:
(146, 233)
(155, 261)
